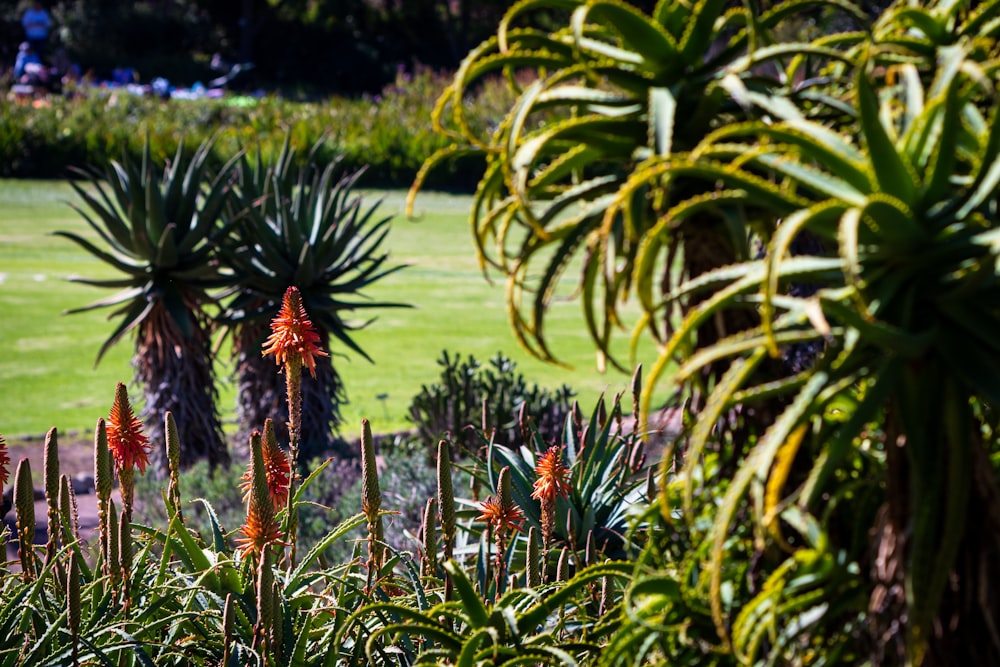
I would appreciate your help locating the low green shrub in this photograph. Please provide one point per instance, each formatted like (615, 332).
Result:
(451, 407)
(390, 133)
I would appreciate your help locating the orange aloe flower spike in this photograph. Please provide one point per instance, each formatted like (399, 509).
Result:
(277, 469)
(500, 517)
(261, 527)
(128, 444)
(293, 338)
(553, 476)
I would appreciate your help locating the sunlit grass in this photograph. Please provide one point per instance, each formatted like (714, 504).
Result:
(48, 372)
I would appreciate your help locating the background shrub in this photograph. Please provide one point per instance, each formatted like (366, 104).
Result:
(452, 407)
(390, 132)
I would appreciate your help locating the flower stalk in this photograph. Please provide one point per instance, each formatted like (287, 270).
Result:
(551, 483)
(4, 464)
(446, 499)
(128, 444)
(371, 501)
(173, 451)
(277, 469)
(103, 481)
(125, 559)
(114, 555)
(50, 465)
(73, 604)
(533, 560)
(294, 344)
(502, 517)
(69, 516)
(428, 532)
(261, 527)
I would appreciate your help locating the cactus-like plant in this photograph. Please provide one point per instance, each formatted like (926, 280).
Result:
(302, 226)
(158, 226)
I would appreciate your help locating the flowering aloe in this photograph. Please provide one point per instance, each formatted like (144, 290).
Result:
(261, 527)
(24, 509)
(293, 340)
(300, 223)
(128, 444)
(294, 344)
(552, 482)
(502, 517)
(277, 469)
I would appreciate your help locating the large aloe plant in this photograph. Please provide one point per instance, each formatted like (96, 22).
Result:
(157, 225)
(301, 225)
(573, 167)
(907, 310)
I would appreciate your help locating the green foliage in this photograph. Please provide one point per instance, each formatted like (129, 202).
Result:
(181, 594)
(606, 480)
(830, 511)
(467, 392)
(572, 167)
(388, 133)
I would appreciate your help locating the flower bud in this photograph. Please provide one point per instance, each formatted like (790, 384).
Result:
(24, 508)
(446, 498)
(533, 560)
(429, 533)
(50, 463)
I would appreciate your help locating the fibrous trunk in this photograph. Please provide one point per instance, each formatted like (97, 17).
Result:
(176, 375)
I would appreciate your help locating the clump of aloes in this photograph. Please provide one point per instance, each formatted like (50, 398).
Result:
(294, 344)
(128, 444)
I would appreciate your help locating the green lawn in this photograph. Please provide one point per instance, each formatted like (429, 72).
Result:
(47, 369)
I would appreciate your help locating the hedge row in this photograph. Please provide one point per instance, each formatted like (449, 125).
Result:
(390, 132)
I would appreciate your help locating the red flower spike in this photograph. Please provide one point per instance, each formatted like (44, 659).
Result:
(277, 470)
(500, 518)
(128, 444)
(261, 527)
(293, 338)
(553, 476)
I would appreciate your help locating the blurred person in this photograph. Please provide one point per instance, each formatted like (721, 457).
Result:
(26, 56)
(37, 24)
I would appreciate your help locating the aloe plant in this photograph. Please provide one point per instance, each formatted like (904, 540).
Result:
(605, 480)
(905, 307)
(302, 226)
(573, 168)
(157, 225)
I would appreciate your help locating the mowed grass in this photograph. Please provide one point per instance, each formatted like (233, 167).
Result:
(47, 368)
